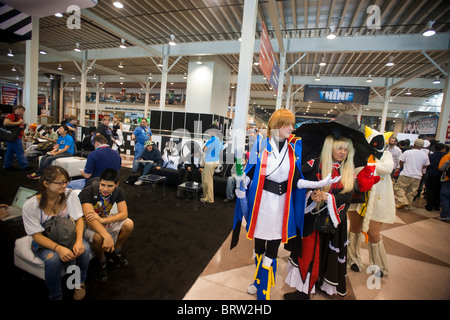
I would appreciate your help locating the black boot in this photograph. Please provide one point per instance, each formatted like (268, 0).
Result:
(296, 295)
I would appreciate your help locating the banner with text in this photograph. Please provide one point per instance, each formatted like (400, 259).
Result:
(9, 95)
(337, 94)
(267, 60)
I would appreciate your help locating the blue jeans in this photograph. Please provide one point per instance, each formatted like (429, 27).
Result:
(77, 184)
(445, 199)
(147, 167)
(15, 147)
(54, 265)
(47, 160)
(231, 186)
(138, 148)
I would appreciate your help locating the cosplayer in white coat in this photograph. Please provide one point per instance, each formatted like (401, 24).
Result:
(378, 209)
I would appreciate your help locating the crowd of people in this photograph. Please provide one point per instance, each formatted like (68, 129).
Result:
(285, 198)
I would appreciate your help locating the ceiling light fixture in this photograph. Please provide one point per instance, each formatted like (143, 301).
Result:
(369, 79)
(317, 78)
(390, 62)
(122, 44)
(322, 63)
(185, 76)
(332, 34)
(199, 61)
(13, 69)
(59, 67)
(408, 93)
(77, 47)
(94, 77)
(117, 4)
(42, 52)
(430, 31)
(59, 15)
(10, 53)
(150, 76)
(172, 40)
(121, 65)
(436, 80)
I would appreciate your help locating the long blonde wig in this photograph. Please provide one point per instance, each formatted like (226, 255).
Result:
(280, 118)
(347, 165)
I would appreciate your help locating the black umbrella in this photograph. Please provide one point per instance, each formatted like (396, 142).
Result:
(313, 136)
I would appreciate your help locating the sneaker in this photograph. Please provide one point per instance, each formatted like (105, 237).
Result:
(103, 273)
(203, 199)
(139, 182)
(33, 176)
(79, 294)
(119, 259)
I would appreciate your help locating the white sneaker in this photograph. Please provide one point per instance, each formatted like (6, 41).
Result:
(252, 289)
(139, 182)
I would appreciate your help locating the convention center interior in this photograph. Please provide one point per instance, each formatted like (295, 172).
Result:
(225, 150)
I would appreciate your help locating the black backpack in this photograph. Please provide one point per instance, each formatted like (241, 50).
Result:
(9, 133)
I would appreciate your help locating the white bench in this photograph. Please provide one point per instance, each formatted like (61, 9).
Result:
(25, 259)
(71, 164)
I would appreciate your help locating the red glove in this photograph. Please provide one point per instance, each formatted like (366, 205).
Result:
(366, 178)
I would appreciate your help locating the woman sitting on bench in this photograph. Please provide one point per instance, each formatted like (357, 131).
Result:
(54, 202)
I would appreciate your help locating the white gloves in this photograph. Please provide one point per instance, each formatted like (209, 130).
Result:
(303, 184)
(246, 180)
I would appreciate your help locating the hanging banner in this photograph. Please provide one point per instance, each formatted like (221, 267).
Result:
(337, 94)
(267, 60)
(422, 125)
(9, 95)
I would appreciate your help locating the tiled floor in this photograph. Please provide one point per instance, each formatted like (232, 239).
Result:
(417, 246)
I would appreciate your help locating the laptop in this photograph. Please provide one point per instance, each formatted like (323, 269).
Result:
(21, 197)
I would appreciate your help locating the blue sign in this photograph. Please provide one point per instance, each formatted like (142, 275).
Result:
(337, 94)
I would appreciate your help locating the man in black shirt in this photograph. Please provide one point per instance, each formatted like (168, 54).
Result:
(103, 129)
(106, 231)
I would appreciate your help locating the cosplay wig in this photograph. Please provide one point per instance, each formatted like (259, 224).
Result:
(347, 166)
(280, 118)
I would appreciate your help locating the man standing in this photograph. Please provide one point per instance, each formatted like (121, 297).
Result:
(212, 149)
(413, 162)
(141, 134)
(15, 147)
(395, 151)
(433, 178)
(106, 231)
(445, 188)
(103, 157)
(103, 129)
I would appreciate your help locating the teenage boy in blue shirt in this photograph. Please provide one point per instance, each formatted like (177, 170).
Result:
(65, 147)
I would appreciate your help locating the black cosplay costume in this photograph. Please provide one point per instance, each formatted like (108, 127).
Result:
(323, 254)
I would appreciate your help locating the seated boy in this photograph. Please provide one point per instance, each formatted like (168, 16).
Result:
(106, 232)
(152, 153)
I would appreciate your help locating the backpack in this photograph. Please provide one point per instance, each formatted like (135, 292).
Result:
(9, 133)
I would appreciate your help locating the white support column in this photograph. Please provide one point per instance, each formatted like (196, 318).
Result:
(61, 99)
(281, 80)
(244, 73)
(165, 72)
(97, 101)
(83, 90)
(30, 88)
(147, 98)
(444, 119)
(386, 106)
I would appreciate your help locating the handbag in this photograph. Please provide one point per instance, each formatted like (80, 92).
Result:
(9, 133)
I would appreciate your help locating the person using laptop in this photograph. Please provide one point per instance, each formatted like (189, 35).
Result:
(4, 212)
(149, 158)
(54, 200)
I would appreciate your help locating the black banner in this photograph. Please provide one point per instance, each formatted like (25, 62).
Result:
(337, 94)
